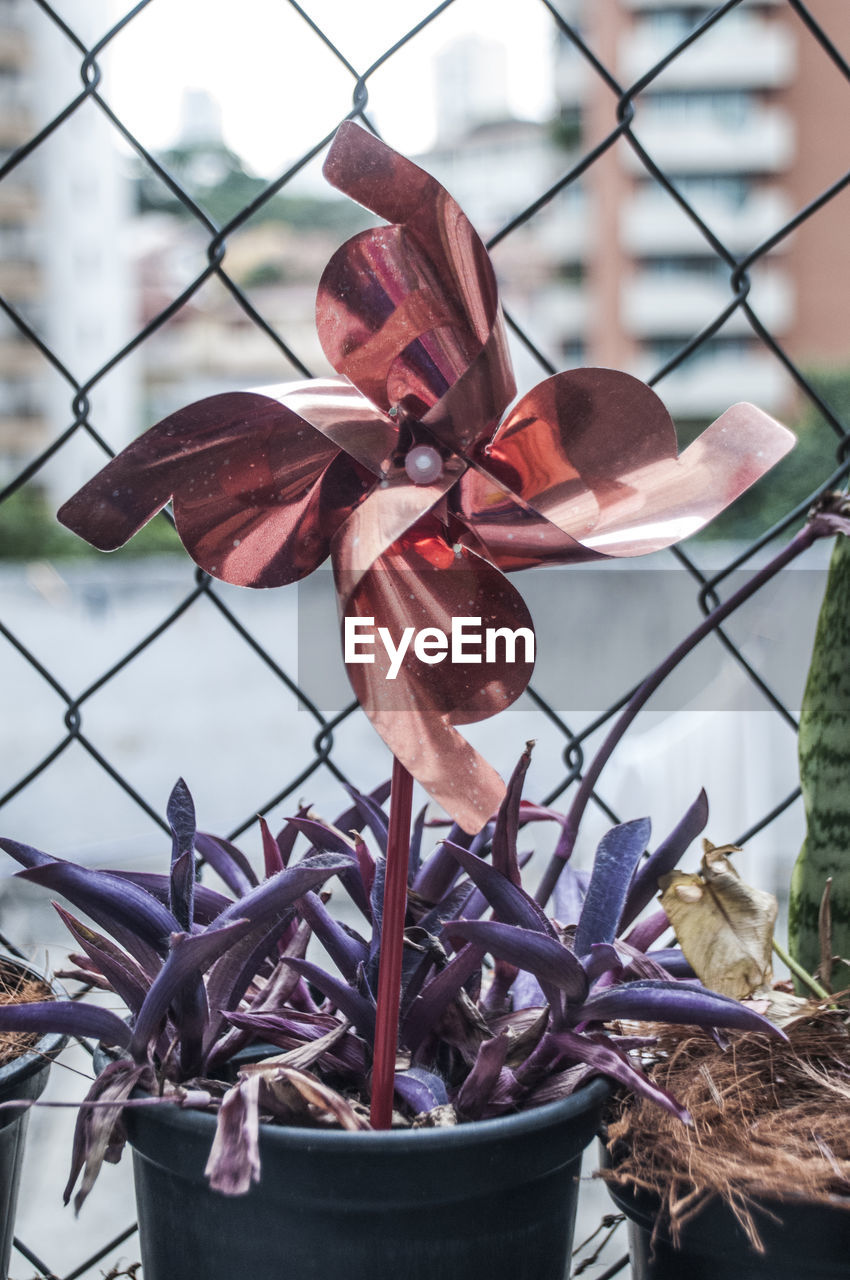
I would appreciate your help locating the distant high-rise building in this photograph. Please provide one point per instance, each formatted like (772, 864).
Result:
(746, 123)
(63, 266)
(471, 78)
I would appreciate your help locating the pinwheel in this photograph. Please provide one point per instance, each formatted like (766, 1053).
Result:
(399, 469)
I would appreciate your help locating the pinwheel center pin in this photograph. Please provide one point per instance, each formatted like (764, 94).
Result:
(423, 464)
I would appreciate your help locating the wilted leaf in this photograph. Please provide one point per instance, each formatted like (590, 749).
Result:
(724, 926)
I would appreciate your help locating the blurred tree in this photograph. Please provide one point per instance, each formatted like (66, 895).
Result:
(29, 530)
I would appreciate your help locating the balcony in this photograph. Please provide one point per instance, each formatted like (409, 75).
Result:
(18, 357)
(761, 143)
(15, 127)
(739, 51)
(19, 280)
(18, 203)
(683, 304)
(652, 223)
(640, 6)
(703, 388)
(14, 49)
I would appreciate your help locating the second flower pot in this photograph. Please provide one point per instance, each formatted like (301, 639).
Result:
(24, 1077)
(799, 1239)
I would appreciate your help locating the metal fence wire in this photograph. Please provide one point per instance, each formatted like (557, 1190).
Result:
(734, 263)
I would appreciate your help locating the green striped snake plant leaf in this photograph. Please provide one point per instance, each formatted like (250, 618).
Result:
(824, 751)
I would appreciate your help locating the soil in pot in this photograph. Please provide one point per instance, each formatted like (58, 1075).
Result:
(491, 1200)
(24, 1067)
(759, 1185)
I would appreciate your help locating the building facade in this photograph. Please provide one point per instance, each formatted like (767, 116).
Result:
(746, 124)
(64, 213)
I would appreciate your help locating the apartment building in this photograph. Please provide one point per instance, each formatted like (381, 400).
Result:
(747, 124)
(21, 407)
(64, 268)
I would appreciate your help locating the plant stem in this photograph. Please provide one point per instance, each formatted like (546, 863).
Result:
(392, 944)
(799, 972)
(818, 526)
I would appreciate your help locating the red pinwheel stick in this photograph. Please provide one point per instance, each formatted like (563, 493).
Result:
(392, 944)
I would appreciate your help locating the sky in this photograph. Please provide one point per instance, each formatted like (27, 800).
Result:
(281, 89)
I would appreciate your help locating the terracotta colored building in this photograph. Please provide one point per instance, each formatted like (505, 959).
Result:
(749, 125)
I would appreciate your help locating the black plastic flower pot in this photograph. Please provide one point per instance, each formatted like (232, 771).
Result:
(493, 1200)
(799, 1239)
(23, 1077)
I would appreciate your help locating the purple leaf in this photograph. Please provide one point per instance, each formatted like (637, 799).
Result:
(98, 1135)
(181, 819)
(325, 838)
(570, 893)
(67, 1018)
(609, 1061)
(350, 1003)
(439, 871)
(415, 859)
(373, 815)
(352, 819)
(182, 890)
(113, 902)
(642, 935)
(527, 993)
(234, 1161)
(613, 868)
(366, 864)
(650, 1000)
(189, 957)
(344, 950)
(665, 858)
(233, 972)
(25, 853)
(228, 862)
(428, 1007)
(208, 902)
(602, 958)
(548, 959)
(276, 895)
(287, 1032)
(420, 1090)
(477, 1089)
(509, 901)
(506, 829)
(288, 835)
(124, 976)
(272, 855)
(672, 961)
(350, 877)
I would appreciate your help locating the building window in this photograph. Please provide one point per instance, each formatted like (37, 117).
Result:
(660, 350)
(732, 190)
(572, 351)
(727, 107)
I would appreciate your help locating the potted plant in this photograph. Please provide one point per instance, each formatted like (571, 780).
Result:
(495, 1087)
(761, 1183)
(25, 1061)
(399, 469)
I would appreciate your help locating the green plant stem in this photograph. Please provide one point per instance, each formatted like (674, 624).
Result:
(799, 972)
(392, 945)
(820, 525)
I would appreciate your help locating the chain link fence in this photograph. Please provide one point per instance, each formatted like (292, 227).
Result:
(248, 704)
